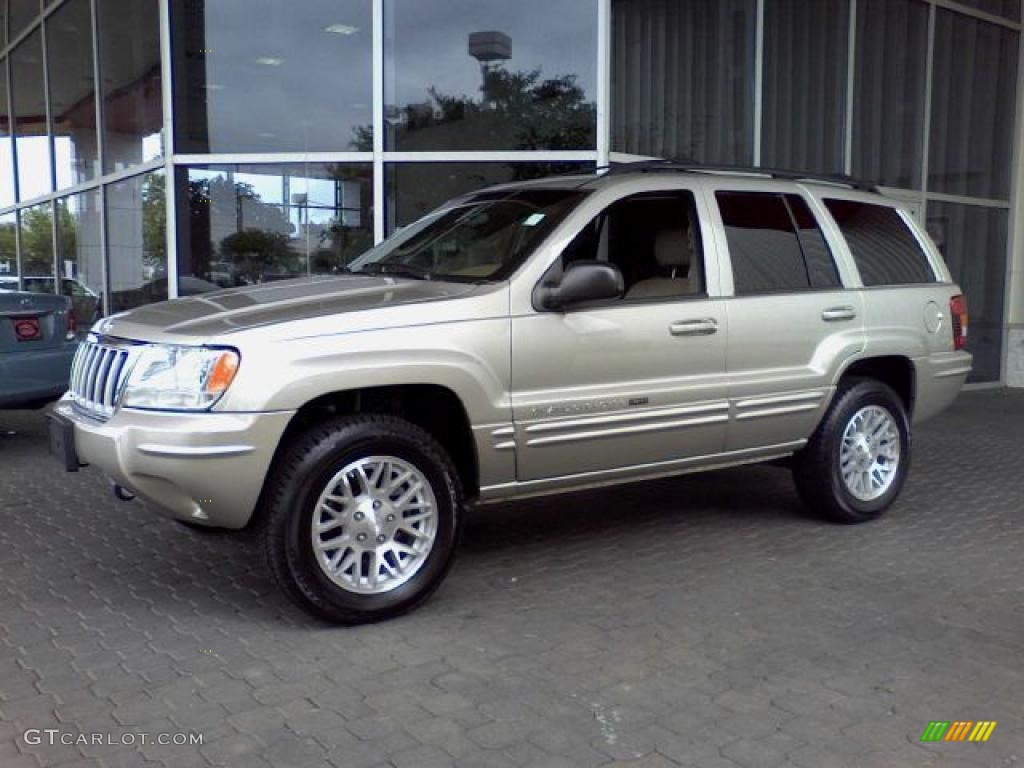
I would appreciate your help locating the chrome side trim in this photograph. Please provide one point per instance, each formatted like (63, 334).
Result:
(508, 445)
(777, 405)
(194, 451)
(780, 411)
(658, 426)
(754, 402)
(953, 372)
(503, 432)
(651, 471)
(597, 421)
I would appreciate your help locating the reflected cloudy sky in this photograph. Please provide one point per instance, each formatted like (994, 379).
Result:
(279, 76)
(298, 76)
(426, 43)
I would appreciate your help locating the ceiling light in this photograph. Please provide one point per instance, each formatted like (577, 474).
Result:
(270, 61)
(341, 29)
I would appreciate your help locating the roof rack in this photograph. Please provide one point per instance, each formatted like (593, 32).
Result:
(654, 166)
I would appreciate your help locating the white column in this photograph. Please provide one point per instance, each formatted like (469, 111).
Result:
(1014, 337)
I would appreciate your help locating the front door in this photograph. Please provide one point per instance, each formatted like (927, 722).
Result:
(635, 382)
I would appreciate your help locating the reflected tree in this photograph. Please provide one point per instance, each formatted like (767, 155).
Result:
(253, 241)
(154, 222)
(515, 110)
(37, 241)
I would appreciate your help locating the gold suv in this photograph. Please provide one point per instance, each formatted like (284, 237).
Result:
(530, 338)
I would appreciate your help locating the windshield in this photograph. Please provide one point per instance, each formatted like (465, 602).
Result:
(485, 237)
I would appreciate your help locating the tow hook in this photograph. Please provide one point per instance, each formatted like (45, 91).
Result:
(121, 492)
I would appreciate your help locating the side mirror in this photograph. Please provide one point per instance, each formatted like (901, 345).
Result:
(582, 281)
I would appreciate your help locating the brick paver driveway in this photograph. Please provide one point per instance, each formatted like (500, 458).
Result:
(702, 621)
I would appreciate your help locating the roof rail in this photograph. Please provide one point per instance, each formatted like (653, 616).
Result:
(654, 166)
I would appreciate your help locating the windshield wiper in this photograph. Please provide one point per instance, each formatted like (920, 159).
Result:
(394, 268)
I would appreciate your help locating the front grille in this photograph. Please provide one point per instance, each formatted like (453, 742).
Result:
(98, 374)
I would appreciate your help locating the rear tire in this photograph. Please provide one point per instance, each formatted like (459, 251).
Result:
(854, 465)
(362, 519)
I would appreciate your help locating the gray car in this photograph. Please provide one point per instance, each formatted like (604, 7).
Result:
(529, 339)
(37, 344)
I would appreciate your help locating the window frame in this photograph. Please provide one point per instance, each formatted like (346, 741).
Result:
(573, 227)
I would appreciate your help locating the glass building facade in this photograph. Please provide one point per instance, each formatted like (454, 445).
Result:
(159, 148)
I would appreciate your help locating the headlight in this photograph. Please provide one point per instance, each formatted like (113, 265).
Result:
(180, 378)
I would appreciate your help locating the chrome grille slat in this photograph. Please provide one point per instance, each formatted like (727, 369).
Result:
(94, 373)
(105, 359)
(97, 375)
(90, 366)
(116, 367)
(76, 365)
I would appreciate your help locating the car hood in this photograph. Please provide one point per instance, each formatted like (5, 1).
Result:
(241, 309)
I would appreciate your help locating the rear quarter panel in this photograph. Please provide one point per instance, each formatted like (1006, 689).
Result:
(910, 321)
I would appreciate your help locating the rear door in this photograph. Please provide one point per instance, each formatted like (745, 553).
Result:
(792, 321)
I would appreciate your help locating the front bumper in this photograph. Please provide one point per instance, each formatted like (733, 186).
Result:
(206, 468)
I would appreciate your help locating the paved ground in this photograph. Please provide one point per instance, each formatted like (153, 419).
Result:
(702, 621)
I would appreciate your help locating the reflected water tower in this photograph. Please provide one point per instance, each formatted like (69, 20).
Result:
(489, 47)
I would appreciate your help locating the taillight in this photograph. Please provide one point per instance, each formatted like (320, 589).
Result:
(958, 313)
(71, 325)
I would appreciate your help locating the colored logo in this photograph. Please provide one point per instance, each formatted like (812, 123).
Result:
(958, 730)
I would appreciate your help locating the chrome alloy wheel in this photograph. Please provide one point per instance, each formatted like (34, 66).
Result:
(374, 525)
(870, 453)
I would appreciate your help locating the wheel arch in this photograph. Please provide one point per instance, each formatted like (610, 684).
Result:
(432, 407)
(896, 371)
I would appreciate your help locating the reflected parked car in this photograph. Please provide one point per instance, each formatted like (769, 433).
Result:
(85, 302)
(37, 343)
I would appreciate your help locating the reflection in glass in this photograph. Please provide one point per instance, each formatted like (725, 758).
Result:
(28, 108)
(8, 252)
(258, 223)
(415, 189)
(132, 100)
(889, 84)
(137, 241)
(6, 148)
(488, 74)
(309, 62)
(72, 93)
(972, 240)
(486, 237)
(805, 48)
(22, 14)
(699, 106)
(36, 227)
(973, 87)
(80, 256)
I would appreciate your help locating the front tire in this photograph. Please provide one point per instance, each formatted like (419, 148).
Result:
(854, 465)
(363, 517)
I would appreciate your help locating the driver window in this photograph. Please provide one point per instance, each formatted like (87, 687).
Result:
(654, 240)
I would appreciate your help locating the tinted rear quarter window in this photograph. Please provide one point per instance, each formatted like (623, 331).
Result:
(883, 247)
(775, 244)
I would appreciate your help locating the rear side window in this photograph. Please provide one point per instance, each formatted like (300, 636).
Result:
(883, 247)
(775, 244)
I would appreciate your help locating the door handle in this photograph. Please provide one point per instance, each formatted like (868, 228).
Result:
(835, 314)
(703, 327)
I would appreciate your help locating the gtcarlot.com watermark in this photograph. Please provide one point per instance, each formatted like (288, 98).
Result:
(55, 736)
